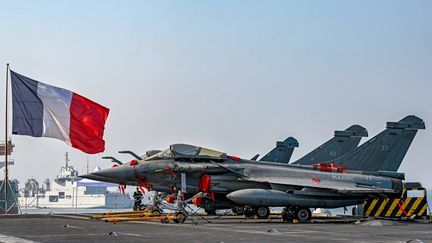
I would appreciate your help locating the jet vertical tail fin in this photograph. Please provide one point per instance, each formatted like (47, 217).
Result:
(282, 152)
(386, 150)
(340, 144)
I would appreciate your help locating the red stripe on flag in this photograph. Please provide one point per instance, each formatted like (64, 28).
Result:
(87, 124)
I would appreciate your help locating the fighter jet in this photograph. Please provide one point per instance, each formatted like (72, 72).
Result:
(368, 171)
(340, 144)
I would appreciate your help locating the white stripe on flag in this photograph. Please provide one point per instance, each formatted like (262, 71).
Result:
(56, 114)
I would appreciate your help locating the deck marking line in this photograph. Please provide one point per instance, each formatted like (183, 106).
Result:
(12, 239)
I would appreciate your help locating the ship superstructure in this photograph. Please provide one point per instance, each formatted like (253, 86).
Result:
(68, 190)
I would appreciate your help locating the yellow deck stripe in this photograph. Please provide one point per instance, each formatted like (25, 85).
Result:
(369, 210)
(422, 210)
(390, 210)
(381, 208)
(414, 206)
(399, 213)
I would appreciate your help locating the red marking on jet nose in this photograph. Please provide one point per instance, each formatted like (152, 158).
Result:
(316, 179)
(134, 162)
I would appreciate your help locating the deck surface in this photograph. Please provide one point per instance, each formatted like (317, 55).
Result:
(73, 228)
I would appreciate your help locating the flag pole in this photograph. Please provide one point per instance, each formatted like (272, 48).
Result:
(6, 180)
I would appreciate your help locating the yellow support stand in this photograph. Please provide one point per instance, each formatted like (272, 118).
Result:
(140, 214)
(120, 219)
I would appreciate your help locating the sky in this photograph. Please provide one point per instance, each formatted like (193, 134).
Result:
(234, 76)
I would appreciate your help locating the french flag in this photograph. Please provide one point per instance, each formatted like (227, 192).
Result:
(41, 110)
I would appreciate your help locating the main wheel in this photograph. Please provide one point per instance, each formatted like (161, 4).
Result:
(262, 212)
(288, 214)
(238, 210)
(179, 217)
(303, 214)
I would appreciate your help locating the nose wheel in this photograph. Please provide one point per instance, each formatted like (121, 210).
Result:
(179, 217)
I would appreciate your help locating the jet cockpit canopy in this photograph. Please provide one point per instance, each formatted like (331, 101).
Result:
(189, 152)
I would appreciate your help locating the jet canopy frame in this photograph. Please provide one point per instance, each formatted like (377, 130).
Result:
(187, 152)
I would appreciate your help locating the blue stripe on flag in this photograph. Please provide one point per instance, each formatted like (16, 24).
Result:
(27, 108)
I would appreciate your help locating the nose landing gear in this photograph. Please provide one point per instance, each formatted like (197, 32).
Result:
(181, 214)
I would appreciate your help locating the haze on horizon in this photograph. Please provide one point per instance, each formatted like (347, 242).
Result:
(234, 76)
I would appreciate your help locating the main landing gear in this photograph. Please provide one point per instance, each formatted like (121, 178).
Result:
(238, 210)
(300, 213)
(261, 212)
(289, 214)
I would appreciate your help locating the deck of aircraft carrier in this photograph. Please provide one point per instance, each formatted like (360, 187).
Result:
(81, 228)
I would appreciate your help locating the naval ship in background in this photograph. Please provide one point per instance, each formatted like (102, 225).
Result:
(68, 190)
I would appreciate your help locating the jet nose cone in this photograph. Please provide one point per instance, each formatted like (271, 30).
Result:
(94, 177)
(90, 176)
(114, 172)
(118, 174)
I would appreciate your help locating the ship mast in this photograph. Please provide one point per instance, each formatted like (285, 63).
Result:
(67, 159)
